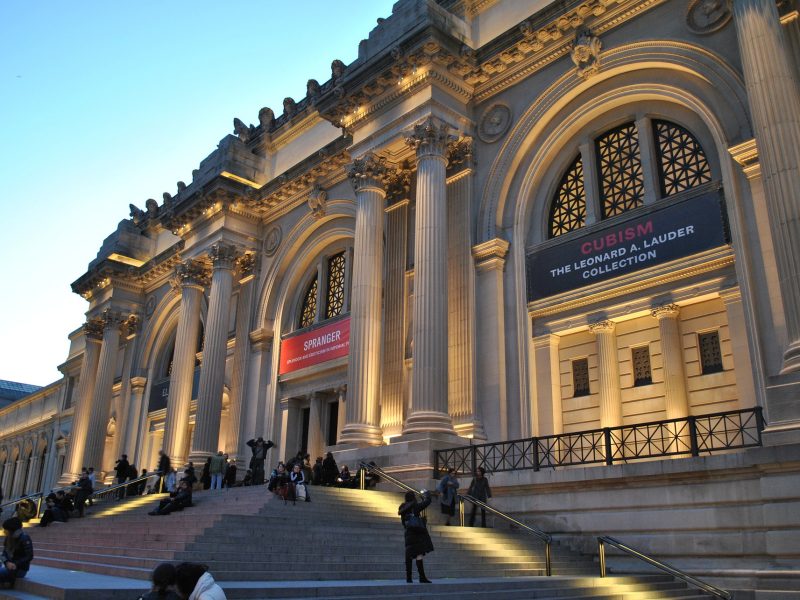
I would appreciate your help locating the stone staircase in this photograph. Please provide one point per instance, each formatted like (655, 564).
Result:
(344, 544)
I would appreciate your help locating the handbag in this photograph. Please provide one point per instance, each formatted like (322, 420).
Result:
(300, 491)
(416, 523)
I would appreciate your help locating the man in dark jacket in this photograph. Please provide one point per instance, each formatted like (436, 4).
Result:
(480, 490)
(164, 467)
(17, 552)
(82, 493)
(259, 448)
(122, 467)
(182, 499)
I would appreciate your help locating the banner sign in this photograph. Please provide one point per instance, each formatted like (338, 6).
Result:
(159, 392)
(313, 347)
(672, 232)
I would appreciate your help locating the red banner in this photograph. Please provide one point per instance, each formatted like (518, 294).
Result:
(316, 346)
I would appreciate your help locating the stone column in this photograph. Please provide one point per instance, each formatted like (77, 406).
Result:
(393, 413)
(791, 28)
(192, 277)
(212, 372)
(19, 475)
(368, 176)
(8, 473)
(316, 440)
(608, 374)
(241, 353)
(259, 408)
(461, 292)
(429, 399)
(549, 412)
(775, 107)
(93, 332)
(342, 414)
(134, 417)
(101, 401)
(739, 333)
(31, 482)
(675, 394)
(490, 367)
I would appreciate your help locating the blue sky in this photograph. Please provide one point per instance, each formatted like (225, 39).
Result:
(103, 104)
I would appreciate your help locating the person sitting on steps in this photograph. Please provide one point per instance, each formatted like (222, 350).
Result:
(17, 552)
(182, 499)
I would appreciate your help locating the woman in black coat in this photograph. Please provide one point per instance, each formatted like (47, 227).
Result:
(418, 540)
(329, 470)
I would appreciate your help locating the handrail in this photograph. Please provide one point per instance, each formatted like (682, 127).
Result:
(125, 484)
(545, 537)
(375, 468)
(706, 587)
(37, 496)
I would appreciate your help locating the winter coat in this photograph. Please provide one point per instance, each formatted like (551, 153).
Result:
(122, 468)
(19, 551)
(417, 541)
(218, 464)
(479, 489)
(329, 471)
(448, 487)
(207, 589)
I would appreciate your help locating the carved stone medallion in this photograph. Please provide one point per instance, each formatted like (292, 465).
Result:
(272, 241)
(707, 16)
(586, 53)
(494, 123)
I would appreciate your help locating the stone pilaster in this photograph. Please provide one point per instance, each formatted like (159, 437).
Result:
(32, 480)
(429, 399)
(241, 353)
(259, 409)
(192, 277)
(676, 397)
(775, 107)
(212, 372)
(316, 439)
(93, 332)
(608, 374)
(549, 416)
(490, 368)
(368, 176)
(134, 417)
(101, 400)
(8, 473)
(19, 475)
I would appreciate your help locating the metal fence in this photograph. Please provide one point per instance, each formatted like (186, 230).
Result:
(690, 436)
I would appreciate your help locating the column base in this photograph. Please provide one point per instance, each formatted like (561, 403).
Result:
(429, 421)
(791, 358)
(198, 457)
(470, 429)
(361, 434)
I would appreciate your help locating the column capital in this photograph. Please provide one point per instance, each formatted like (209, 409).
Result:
(192, 273)
(223, 256)
(398, 183)
(746, 154)
(430, 138)
(113, 318)
(260, 339)
(490, 254)
(138, 384)
(604, 326)
(459, 153)
(130, 326)
(93, 329)
(247, 266)
(369, 171)
(666, 311)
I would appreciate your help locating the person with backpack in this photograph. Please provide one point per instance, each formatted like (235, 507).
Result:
(417, 539)
(448, 490)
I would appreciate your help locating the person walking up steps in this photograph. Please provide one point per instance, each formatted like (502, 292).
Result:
(417, 539)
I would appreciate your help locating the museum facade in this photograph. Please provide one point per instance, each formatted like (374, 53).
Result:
(504, 219)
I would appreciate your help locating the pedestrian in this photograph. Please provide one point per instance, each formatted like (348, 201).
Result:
(480, 490)
(417, 539)
(122, 468)
(217, 470)
(163, 578)
(17, 552)
(259, 448)
(330, 472)
(92, 480)
(230, 474)
(205, 474)
(448, 490)
(164, 466)
(194, 582)
(83, 491)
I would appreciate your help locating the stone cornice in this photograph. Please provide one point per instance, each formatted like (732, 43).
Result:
(490, 253)
(746, 154)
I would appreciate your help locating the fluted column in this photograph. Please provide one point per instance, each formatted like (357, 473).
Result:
(316, 439)
(134, 417)
(772, 90)
(31, 481)
(101, 401)
(192, 277)
(364, 377)
(608, 374)
(429, 399)
(675, 393)
(212, 372)
(93, 332)
(19, 474)
(241, 353)
(8, 473)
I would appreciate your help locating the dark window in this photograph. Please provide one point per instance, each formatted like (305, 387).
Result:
(580, 377)
(642, 374)
(70, 392)
(308, 312)
(682, 163)
(620, 168)
(568, 211)
(335, 286)
(710, 352)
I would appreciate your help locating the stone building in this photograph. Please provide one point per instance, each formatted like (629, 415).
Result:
(505, 219)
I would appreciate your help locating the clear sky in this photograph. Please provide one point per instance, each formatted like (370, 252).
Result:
(106, 103)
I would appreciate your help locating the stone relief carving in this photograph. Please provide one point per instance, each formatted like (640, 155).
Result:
(150, 307)
(317, 199)
(398, 182)
(247, 264)
(337, 69)
(707, 16)
(313, 90)
(242, 131)
(459, 153)
(152, 208)
(494, 123)
(272, 240)
(370, 169)
(430, 137)
(586, 53)
(266, 117)
(181, 187)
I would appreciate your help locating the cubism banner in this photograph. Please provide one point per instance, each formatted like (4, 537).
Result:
(675, 231)
(313, 347)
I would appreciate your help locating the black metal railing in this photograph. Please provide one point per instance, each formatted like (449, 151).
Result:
(545, 537)
(706, 587)
(121, 490)
(689, 436)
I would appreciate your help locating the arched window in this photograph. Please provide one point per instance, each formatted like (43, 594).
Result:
(681, 165)
(327, 294)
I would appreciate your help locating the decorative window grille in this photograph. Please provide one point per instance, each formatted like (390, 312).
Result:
(335, 286)
(308, 312)
(620, 168)
(682, 163)
(710, 352)
(642, 373)
(568, 211)
(580, 377)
